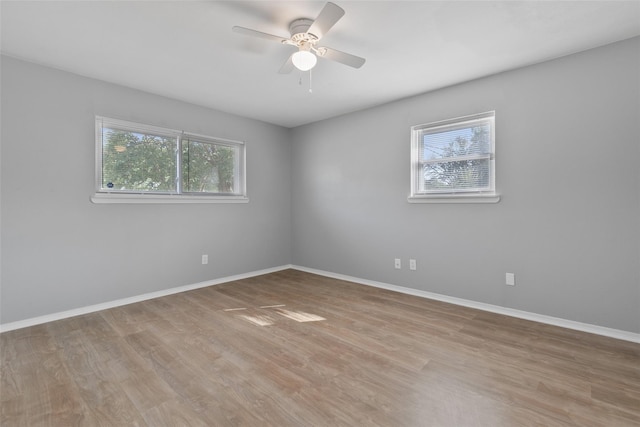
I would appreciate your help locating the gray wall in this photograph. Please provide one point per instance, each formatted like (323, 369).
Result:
(332, 195)
(60, 251)
(568, 225)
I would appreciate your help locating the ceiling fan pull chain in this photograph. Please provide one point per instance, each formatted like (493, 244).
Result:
(310, 88)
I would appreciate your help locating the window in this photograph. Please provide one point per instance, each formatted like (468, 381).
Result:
(140, 163)
(454, 160)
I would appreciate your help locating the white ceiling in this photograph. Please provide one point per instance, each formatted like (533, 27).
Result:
(186, 49)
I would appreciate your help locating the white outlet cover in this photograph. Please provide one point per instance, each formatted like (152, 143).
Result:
(510, 279)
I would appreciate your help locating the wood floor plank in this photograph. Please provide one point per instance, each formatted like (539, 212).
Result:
(36, 382)
(296, 349)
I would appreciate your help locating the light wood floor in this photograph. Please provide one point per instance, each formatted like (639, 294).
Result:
(295, 349)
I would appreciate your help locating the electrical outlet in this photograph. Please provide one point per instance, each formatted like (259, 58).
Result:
(510, 279)
(398, 264)
(412, 264)
(205, 259)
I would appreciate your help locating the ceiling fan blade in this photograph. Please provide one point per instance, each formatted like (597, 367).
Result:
(342, 57)
(260, 34)
(287, 67)
(330, 14)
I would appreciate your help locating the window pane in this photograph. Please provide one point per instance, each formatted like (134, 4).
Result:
(466, 141)
(138, 161)
(454, 176)
(209, 167)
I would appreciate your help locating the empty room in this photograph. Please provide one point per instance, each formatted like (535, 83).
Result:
(312, 213)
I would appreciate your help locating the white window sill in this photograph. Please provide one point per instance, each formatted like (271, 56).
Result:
(164, 198)
(455, 198)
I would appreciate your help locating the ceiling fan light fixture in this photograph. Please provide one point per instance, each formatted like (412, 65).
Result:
(304, 60)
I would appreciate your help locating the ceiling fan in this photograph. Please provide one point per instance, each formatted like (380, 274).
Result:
(305, 34)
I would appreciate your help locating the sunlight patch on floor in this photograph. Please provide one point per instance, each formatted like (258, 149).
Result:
(258, 320)
(300, 316)
(265, 320)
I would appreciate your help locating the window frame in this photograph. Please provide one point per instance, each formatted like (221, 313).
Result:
(103, 195)
(481, 195)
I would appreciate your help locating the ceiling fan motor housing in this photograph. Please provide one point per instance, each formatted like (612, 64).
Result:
(298, 30)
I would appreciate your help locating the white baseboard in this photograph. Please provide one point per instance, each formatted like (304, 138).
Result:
(564, 323)
(541, 318)
(138, 298)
